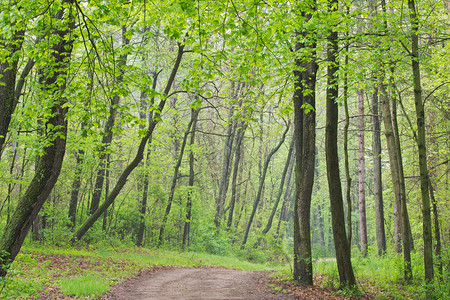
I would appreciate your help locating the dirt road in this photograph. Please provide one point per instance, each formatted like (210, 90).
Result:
(197, 283)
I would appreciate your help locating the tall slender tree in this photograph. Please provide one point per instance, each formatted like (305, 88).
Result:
(187, 222)
(344, 264)
(421, 143)
(377, 173)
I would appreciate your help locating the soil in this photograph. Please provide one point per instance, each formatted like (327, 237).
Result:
(197, 283)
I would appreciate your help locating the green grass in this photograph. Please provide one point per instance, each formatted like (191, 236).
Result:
(83, 286)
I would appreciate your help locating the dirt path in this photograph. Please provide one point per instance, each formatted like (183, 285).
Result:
(197, 283)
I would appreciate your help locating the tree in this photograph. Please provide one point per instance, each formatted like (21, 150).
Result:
(342, 248)
(227, 157)
(108, 132)
(305, 104)
(139, 153)
(261, 185)
(53, 83)
(192, 122)
(361, 176)
(280, 191)
(8, 70)
(377, 173)
(237, 159)
(187, 224)
(421, 145)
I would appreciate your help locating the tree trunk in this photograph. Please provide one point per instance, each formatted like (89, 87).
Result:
(421, 144)
(298, 145)
(348, 179)
(8, 74)
(76, 184)
(237, 159)
(361, 176)
(175, 178)
(261, 185)
(50, 163)
(409, 242)
(287, 195)
(187, 223)
(280, 191)
(105, 214)
(437, 230)
(108, 130)
(143, 114)
(346, 275)
(303, 263)
(139, 154)
(400, 221)
(377, 179)
(227, 159)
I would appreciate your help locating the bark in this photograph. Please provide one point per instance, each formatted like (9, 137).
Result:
(108, 130)
(298, 145)
(76, 184)
(348, 179)
(400, 213)
(280, 191)
(137, 159)
(320, 225)
(8, 75)
(145, 181)
(376, 145)
(391, 145)
(421, 144)
(361, 176)
(237, 159)
(105, 214)
(175, 178)
(50, 163)
(303, 195)
(227, 160)
(437, 230)
(377, 177)
(400, 168)
(143, 203)
(287, 196)
(261, 185)
(187, 223)
(346, 275)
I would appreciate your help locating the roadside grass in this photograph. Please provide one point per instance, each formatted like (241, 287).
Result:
(50, 271)
(86, 286)
(377, 278)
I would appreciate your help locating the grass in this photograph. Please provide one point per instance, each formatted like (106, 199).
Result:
(83, 286)
(381, 277)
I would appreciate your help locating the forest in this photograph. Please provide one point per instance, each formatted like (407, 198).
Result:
(311, 137)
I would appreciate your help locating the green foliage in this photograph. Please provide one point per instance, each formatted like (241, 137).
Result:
(208, 240)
